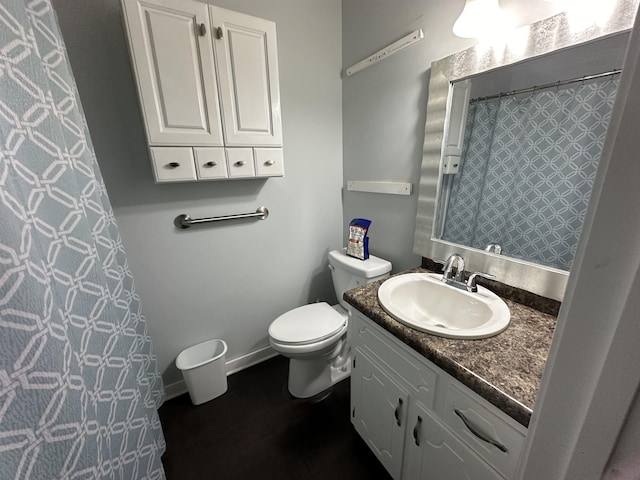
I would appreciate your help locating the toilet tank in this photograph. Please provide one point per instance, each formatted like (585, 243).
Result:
(349, 272)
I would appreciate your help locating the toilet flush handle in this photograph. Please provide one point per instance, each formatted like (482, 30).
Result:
(331, 267)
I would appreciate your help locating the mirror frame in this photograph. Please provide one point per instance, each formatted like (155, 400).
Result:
(533, 40)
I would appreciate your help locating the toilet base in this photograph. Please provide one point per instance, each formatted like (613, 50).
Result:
(309, 377)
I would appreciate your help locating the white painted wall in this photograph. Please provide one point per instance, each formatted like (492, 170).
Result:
(226, 281)
(384, 106)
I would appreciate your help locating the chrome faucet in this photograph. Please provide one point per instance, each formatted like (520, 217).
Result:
(457, 280)
(447, 272)
(495, 247)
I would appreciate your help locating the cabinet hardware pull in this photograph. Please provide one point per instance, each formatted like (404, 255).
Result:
(202, 29)
(397, 412)
(211, 164)
(268, 163)
(219, 33)
(174, 164)
(416, 436)
(240, 163)
(478, 434)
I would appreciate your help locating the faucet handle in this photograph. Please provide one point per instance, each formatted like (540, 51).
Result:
(471, 283)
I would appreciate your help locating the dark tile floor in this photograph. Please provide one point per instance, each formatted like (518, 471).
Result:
(255, 431)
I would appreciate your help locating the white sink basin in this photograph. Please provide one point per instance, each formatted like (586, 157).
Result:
(424, 302)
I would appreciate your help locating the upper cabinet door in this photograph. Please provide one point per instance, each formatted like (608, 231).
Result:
(170, 42)
(247, 61)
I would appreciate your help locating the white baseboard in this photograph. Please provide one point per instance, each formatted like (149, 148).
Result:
(250, 359)
(236, 365)
(174, 390)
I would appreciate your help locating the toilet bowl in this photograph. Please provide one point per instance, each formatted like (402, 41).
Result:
(314, 336)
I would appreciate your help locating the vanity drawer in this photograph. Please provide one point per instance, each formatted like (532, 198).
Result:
(211, 163)
(269, 162)
(173, 164)
(470, 419)
(240, 162)
(410, 368)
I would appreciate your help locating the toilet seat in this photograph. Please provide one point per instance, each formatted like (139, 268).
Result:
(306, 325)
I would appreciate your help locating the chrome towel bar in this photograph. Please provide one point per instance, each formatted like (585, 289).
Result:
(185, 221)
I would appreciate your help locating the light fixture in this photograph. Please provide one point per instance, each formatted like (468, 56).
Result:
(481, 18)
(583, 14)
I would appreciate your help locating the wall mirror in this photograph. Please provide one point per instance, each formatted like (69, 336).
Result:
(512, 174)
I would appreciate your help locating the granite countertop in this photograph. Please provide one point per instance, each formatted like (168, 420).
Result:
(505, 369)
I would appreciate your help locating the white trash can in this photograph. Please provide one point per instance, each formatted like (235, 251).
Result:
(203, 369)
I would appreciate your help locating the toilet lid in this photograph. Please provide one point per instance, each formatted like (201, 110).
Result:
(310, 323)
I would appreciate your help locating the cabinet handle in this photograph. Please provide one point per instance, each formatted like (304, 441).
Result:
(211, 164)
(202, 29)
(268, 163)
(240, 163)
(478, 434)
(174, 165)
(219, 33)
(416, 432)
(397, 412)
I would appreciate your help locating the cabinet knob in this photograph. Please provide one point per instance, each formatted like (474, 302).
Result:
(211, 164)
(416, 431)
(397, 412)
(219, 33)
(240, 163)
(174, 165)
(202, 29)
(268, 163)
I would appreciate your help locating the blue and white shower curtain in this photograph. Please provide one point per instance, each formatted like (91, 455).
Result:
(79, 385)
(527, 171)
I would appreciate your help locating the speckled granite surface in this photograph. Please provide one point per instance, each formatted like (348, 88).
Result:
(504, 369)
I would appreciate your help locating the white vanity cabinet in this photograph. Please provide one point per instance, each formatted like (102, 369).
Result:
(208, 86)
(419, 421)
(379, 411)
(433, 452)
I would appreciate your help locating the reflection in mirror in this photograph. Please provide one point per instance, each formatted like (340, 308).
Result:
(533, 135)
(541, 186)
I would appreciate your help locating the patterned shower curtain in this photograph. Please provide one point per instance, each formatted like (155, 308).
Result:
(79, 385)
(527, 170)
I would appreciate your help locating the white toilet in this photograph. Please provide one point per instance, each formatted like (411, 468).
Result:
(314, 337)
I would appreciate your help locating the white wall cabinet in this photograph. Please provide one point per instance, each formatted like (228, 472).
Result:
(246, 51)
(207, 77)
(420, 422)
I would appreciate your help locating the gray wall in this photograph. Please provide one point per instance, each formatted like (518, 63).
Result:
(384, 106)
(230, 281)
(226, 281)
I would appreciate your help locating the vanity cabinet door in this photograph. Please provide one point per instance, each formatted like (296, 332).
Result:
(246, 56)
(173, 62)
(433, 453)
(403, 365)
(379, 411)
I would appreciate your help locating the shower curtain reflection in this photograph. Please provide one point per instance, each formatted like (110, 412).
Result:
(527, 170)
